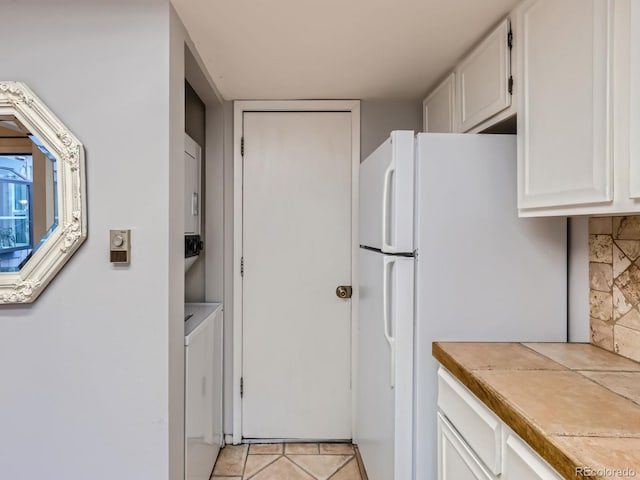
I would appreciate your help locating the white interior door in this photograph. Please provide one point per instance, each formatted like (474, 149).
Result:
(296, 250)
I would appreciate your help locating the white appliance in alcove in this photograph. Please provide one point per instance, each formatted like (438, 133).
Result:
(192, 200)
(203, 388)
(443, 257)
(192, 167)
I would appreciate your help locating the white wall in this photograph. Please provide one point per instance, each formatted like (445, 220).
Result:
(579, 279)
(380, 117)
(85, 390)
(174, 205)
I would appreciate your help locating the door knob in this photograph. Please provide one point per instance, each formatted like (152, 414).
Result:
(344, 291)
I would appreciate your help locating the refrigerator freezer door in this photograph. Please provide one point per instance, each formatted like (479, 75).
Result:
(386, 195)
(384, 412)
(483, 274)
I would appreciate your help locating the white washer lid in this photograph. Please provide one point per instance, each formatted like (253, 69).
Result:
(197, 312)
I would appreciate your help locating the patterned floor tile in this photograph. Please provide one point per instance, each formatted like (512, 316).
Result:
(231, 460)
(291, 461)
(320, 466)
(283, 469)
(349, 472)
(301, 448)
(265, 449)
(255, 463)
(336, 449)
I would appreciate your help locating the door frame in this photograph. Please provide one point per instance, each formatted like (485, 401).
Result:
(240, 107)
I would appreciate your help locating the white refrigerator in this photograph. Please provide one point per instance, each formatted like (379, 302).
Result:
(443, 257)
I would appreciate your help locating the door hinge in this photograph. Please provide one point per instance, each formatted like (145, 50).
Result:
(242, 146)
(510, 84)
(241, 387)
(242, 266)
(510, 39)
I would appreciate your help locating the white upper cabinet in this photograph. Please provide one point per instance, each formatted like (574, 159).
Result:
(483, 79)
(192, 165)
(439, 108)
(564, 55)
(579, 107)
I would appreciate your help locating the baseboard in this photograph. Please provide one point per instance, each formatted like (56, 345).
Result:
(363, 472)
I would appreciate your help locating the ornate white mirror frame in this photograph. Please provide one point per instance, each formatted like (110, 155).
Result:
(24, 286)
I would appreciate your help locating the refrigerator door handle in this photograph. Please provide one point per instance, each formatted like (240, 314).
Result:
(387, 247)
(386, 275)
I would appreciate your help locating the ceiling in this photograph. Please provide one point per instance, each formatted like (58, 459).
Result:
(321, 49)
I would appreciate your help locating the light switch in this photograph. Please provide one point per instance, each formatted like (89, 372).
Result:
(120, 246)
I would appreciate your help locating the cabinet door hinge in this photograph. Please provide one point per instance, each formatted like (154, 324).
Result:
(241, 387)
(510, 44)
(242, 146)
(242, 266)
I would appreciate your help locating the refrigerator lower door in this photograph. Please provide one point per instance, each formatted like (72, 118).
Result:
(386, 195)
(384, 408)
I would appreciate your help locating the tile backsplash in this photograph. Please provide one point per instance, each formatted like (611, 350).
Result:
(614, 282)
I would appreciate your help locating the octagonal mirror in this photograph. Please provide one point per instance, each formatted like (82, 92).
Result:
(42, 198)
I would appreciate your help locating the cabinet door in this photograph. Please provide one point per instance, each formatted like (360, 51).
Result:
(634, 91)
(522, 463)
(456, 461)
(191, 187)
(564, 117)
(439, 108)
(483, 79)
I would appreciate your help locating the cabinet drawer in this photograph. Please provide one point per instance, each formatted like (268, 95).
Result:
(456, 461)
(480, 428)
(522, 463)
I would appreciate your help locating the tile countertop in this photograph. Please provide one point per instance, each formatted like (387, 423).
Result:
(577, 405)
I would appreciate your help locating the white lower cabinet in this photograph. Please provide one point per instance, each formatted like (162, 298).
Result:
(522, 463)
(479, 426)
(456, 460)
(474, 444)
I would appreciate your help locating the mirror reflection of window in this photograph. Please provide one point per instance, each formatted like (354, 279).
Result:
(28, 195)
(16, 232)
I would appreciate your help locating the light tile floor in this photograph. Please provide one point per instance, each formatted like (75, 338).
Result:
(290, 461)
